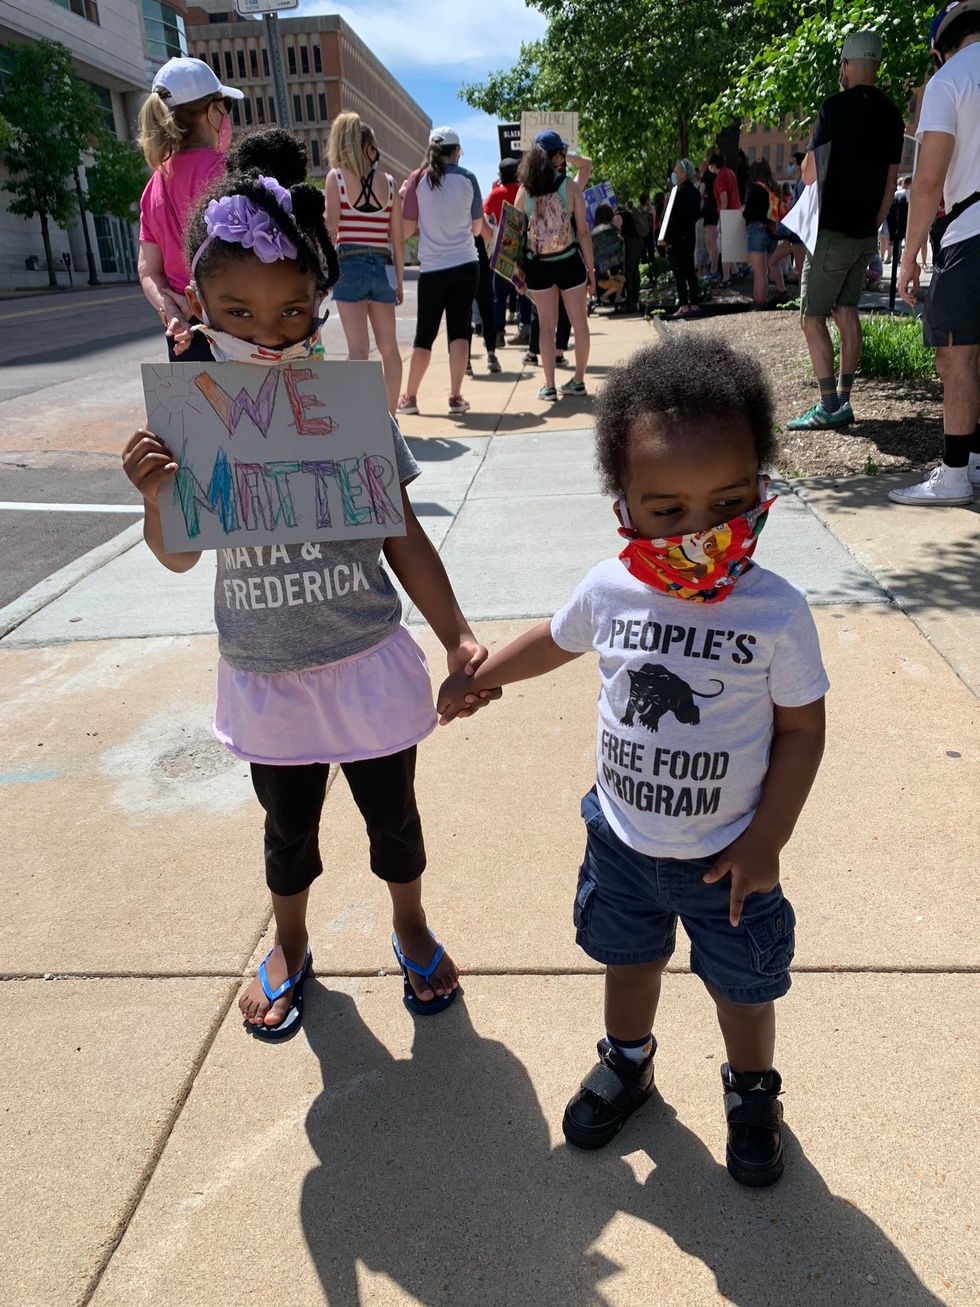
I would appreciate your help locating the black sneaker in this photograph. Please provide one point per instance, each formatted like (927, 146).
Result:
(754, 1155)
(610, 1094)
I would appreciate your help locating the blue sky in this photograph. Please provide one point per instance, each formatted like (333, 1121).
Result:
(432, 46)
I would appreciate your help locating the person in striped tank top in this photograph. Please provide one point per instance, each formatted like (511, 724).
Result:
(364, 219)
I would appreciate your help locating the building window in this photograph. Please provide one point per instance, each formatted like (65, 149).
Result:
(780, 157)
(83, 8)
(103, 237)
(310, 111)
(315, 152)
(104, 97)
(750, 154)
(291, 60)
(304, 59)
(229, 66)
(216, 63)
(317, 61)
(253, 63)
(322, 103)
(298, 108)
(765, 153)
(260, 109)
(236, 117)
(272, 110)
(241, 64)
(165, 35)
(265, 62)
(247, 106)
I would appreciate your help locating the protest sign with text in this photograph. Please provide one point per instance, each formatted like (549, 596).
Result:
(564, 122)
(601, 193)
(508, 254)
(274, 455)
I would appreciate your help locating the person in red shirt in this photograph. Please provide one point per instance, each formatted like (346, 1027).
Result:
(505, 190)
(726, 197)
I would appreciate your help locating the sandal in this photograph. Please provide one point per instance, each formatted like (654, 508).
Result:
(417, 1006)
(293, 1019)
(610, 1094)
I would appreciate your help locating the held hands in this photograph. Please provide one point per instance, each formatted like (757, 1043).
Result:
(753, 862)
(455, 698)
(149, 463)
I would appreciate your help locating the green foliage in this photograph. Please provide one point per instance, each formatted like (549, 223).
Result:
(893, 348)
(638, 71)
(116, 179)
(6, 133)
(795, 69)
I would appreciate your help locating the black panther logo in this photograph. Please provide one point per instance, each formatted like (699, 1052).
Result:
(655, 691)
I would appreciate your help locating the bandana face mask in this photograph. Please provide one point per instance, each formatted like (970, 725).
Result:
(701, 566)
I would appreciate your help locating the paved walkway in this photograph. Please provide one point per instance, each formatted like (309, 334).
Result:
(155, 1155)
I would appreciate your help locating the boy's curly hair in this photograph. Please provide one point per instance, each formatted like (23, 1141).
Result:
(271, 153)
(681, 382)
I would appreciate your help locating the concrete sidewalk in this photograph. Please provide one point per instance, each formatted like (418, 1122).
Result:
(155, 1155)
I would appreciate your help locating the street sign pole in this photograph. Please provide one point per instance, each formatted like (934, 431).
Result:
(271, 22)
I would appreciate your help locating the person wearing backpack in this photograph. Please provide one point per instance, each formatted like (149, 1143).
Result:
(761, 213)
(559, 263)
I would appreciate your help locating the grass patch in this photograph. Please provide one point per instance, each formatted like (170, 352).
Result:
(893, 348)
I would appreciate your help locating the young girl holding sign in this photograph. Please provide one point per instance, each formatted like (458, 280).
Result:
(337, 678)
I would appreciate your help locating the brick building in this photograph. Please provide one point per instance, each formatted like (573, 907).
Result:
(329, 70)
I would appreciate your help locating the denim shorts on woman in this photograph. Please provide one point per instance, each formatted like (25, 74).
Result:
(363, 276)
(627, 906)
(758, 238)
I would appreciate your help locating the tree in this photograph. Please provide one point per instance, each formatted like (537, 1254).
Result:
(116, 180)
(796, 70)
(640, 72)
(52, 116)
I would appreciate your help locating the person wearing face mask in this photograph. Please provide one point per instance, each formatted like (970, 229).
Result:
(681, 238)
(184, 131)
(853, 157)
(709, 735)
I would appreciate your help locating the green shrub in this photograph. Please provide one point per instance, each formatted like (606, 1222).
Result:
(893, 347)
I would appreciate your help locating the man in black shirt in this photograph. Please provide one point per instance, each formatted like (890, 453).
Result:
(853, 156)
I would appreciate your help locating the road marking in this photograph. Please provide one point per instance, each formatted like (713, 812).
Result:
(15, 506)
(89, 304)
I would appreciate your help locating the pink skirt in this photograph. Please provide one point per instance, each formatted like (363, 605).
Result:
(373, 704)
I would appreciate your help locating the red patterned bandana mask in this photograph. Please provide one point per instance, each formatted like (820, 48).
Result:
(702, 566)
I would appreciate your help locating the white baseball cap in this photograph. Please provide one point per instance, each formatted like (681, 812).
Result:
(443, 136)
(863, 45)
(186, 79)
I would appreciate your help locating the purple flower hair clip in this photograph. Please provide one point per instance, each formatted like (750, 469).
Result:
(235, 220)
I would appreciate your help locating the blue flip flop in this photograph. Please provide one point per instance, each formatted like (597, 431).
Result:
(417, 1006)
(293, 1019)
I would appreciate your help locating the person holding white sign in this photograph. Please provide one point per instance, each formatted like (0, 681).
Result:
(316, 666)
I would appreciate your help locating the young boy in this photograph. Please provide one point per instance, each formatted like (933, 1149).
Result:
(710, 733)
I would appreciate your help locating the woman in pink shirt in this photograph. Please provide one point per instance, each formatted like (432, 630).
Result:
(184, 130)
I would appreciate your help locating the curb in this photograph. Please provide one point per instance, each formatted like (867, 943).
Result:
(60, 582)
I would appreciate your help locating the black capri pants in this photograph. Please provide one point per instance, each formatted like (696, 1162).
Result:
(382, 788)
(450, 291)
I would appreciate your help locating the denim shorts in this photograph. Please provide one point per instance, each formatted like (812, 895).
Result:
(627, 906)
(758, 238)
(363, 277)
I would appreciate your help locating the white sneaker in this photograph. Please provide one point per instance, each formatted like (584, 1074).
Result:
(943, 486)
(973, 470)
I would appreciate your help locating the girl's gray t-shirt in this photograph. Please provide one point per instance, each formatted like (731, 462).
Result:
(282, 608)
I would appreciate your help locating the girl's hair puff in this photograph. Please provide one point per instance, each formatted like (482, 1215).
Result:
(163, 130)
(680, 383)
(536, 172)
(272, 152)
(349, 138)
(305, 227)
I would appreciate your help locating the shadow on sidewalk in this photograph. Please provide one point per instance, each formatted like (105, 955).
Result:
(438, 1172)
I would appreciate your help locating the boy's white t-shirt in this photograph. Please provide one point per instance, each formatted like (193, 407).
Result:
(951, 104)
(686, 701)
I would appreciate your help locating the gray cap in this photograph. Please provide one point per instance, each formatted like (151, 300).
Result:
(862, 45)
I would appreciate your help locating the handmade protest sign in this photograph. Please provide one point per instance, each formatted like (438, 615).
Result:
(668, 211)
(803, 218)
(564, 122)
(509, 140)
(274, 455)
(508, 254)
(601, 193)
(734, 237)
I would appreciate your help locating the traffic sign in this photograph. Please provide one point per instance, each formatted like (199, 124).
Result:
(248, 8)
